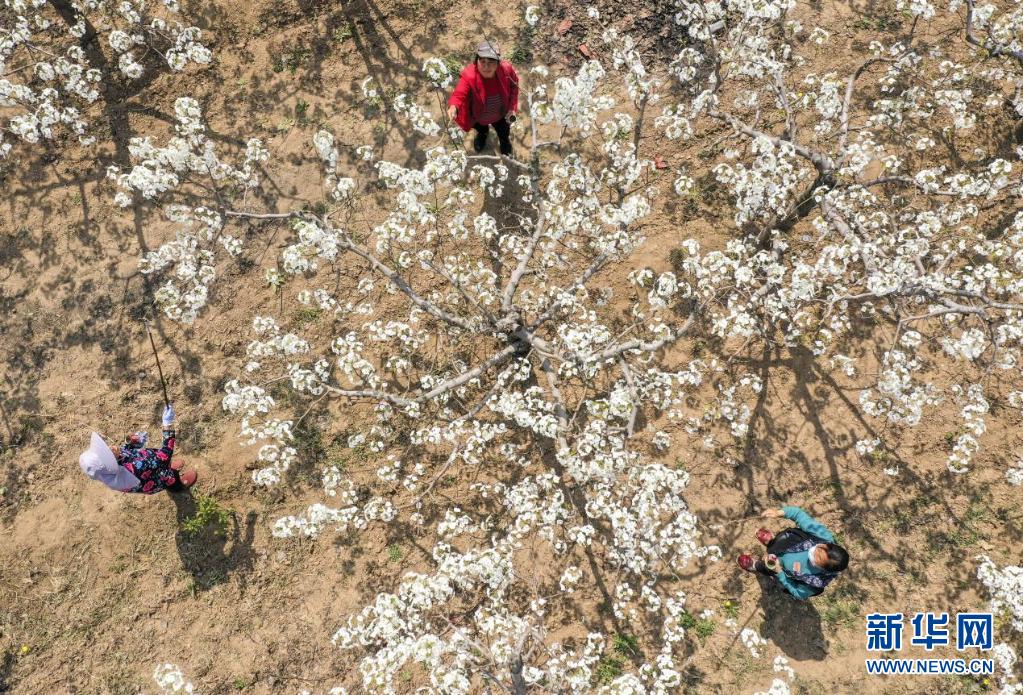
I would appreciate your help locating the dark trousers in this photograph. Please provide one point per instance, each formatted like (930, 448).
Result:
(503, 129)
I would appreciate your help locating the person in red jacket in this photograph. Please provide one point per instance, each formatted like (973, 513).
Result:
(487, 94)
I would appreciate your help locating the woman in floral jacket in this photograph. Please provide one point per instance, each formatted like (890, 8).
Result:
(134, 468)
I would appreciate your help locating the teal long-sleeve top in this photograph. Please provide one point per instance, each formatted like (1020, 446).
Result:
(800, 562)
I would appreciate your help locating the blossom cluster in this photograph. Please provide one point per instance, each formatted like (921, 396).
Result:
(48, 80)
(1005, 589)
(575, 103)
(187, 261)
(420, 119)
(158, 170)
(438, 73)
(170, 679)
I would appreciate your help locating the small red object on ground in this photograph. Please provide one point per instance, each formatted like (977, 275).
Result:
(585, 50)
(564, 27)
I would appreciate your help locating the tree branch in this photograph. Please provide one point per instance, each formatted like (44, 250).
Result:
(631, 427)
(520, 269)
(560, 411)
(379, 266)
(824, 164)
(581, 281)
(398, 282)
(995, 49)
(650, 345)
(844, 128)
(496, 359)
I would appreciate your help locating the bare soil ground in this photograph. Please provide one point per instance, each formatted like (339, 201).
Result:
(96, 588)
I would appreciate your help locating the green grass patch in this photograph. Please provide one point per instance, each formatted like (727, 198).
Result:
(308, 314)
(208, 514)
(840, 613)
(291, 60)
(625, 644)
(612, 663)
(967, 533)
(342, 33)
(702, 627)
(608, 668)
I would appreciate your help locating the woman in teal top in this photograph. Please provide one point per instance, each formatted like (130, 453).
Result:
(804, 560)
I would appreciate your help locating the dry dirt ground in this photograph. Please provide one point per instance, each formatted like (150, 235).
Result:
(96, 588)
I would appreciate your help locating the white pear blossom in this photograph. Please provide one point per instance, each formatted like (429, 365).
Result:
(170, 679)
(1005, 589)
(68, 82)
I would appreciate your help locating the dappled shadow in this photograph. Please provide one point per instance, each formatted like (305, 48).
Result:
(303, 43)
(6, 666)
(62, 288)
(794, 626)
(287, 66)
(897, 529)
(209, 555)
(40, 321)
(915, 531)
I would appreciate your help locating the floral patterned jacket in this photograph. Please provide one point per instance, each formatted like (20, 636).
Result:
(150, 466)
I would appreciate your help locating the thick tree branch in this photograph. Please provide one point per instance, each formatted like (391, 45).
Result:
(560, 411)
(631, 427)
(495, 360)
(347, 243)
(823, 163)
(639, 345)
(581, 281)
(520, 269)
(990, 45)
(400, 283)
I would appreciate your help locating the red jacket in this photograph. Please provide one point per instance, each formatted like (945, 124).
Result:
(470, 99)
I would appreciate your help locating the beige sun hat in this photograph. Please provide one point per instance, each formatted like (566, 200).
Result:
(488, 49)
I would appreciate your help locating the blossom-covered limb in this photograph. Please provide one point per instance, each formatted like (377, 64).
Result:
(631, 427)
(824, 164)
(989, 44)
(639, 345)
(523, 264)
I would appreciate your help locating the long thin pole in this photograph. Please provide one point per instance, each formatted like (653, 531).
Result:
(163, 384)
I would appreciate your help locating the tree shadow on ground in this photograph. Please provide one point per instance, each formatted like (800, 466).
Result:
(51, 305)
(776, 470)
(800, 449)
(209, 555)
(794, 626)
(6, 666)
(308, 48)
